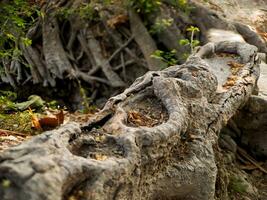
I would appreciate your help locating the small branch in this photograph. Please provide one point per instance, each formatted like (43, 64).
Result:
(120, 48)
(85, 48)
(118, 41)
(123, 67)
(89, 78)
(95, 48)
(94, 69)
(7, 132)
(128, 62)
(250, 159)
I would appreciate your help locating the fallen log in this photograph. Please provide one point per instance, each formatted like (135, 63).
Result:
(156, 140)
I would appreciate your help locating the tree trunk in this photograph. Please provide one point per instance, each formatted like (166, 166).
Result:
(156, 140)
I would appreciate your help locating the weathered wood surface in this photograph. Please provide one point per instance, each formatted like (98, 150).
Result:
(156, 140)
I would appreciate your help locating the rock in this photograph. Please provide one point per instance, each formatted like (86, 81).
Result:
(252, 121)
(228, 131)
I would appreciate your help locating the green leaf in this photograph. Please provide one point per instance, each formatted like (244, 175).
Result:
(26, 41)
(195, 43)
(184, 42)
(192, 29)
(10, 36)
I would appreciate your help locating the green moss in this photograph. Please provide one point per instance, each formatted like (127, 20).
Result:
(19, 122)
(237, 185)
(6, 183)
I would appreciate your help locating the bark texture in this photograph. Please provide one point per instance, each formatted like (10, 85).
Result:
(156, 140)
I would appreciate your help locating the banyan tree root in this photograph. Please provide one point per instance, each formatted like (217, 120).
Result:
(156, 140)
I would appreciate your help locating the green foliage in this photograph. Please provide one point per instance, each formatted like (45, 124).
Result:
(160, 25)
(181, 5)
(85, 11)
(192, 42)
(9, 118)
(54, 104)
(166, 56)
(17, 121)
(7, 99)
(34, 101)
(145, 6)
(15, 18)
(193, 29)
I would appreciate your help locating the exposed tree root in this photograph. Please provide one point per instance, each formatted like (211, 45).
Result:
(111, 157)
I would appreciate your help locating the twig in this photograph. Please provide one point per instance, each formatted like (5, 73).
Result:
(95, 48)
(123, 67)
(89, 78)
(94, 69)
(117, 40)
(128, 62)
(249, 158)
(85, 48)
(2, 131)
(120, 48)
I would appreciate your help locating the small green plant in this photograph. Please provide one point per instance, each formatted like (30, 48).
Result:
(181, 5)
(166, 56)
(192, 42)
(145, 6)
(160, 25)
(86, 101)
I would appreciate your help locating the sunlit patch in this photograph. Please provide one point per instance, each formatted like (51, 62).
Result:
(218, 35)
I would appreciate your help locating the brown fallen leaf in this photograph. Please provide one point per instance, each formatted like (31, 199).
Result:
(117, 20)
(233, 64)
(100, 157)
(60, 117)
(52, 120)
(35, 120)
(228, 84)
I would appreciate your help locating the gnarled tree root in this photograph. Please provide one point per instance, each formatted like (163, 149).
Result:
(156, 140)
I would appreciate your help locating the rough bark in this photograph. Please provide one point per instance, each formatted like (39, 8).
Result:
(156, 140)
(145, 41)
(55, 56)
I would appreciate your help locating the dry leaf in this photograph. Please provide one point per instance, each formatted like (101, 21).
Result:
(228, 84)
(60, 117)
(52, 120)
(117, 20)
(100, 157)
(233, 64)
(232, 78)
(35, 120)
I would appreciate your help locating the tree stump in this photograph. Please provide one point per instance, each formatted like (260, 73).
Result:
(156, 140)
